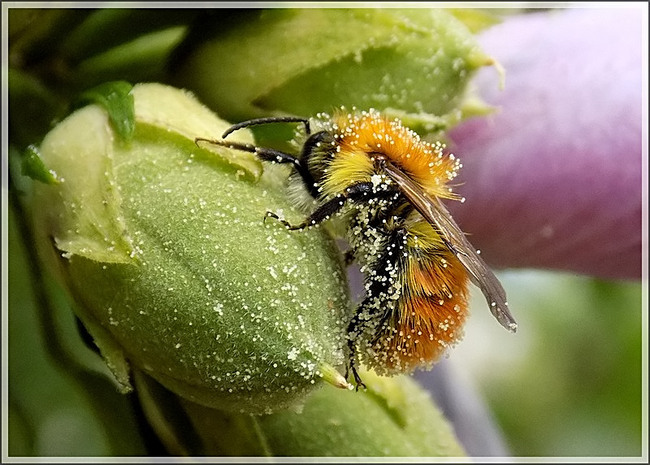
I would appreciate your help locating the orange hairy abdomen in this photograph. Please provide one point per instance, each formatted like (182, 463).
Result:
(428, 318)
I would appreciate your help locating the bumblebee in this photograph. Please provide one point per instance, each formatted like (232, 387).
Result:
(388, 185)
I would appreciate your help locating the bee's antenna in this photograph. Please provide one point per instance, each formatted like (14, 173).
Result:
(270, 119)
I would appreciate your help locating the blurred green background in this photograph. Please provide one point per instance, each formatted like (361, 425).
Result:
(569, 382)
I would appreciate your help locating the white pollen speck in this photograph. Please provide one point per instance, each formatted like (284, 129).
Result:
(293, 354)
(376, 180)
(272, 272)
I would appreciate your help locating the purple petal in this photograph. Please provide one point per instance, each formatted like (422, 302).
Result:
(553, 180)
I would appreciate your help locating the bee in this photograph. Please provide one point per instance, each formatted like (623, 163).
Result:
(387, 184)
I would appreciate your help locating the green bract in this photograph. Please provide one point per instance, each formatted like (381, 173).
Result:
(163, 246)
(393, 418)
(415, 63)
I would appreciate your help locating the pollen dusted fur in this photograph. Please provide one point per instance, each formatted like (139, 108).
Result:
(386, 182)
(423, 315)
(359, 136)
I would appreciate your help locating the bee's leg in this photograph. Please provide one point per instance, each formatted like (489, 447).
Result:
(265, 154)
(353, 193)
(318, 216)
(375, 313)
(353, 333)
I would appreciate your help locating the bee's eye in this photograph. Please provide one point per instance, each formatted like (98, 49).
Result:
(321, 141)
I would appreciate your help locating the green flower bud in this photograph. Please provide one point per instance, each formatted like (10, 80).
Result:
(393, 418)
(163, 245)
(415, 62)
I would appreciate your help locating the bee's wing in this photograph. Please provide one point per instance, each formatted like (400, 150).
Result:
(432, 209)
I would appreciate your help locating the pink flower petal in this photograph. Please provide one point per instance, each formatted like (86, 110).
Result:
(553, 180)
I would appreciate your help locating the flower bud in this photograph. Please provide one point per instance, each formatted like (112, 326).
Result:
(394, 417)
(415, 62)
(163, 246)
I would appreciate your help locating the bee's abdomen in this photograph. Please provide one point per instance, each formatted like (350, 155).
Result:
(428, 316)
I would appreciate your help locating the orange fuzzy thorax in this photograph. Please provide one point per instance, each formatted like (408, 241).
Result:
(360, 135)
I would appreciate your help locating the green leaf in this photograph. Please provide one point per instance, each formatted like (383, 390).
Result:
(115, 97)
(33, 166)
(107, 28)
(142, 59)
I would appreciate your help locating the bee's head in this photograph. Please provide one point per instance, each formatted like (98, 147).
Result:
(317, 153)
